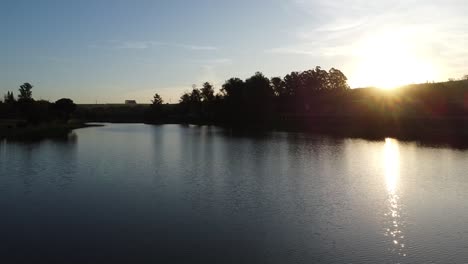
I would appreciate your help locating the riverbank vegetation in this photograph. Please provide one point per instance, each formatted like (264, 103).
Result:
(25, 117)
(312, 100)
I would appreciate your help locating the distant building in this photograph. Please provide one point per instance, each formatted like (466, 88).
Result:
(130, 102)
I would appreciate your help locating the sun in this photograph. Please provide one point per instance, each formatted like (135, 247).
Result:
(390, 60)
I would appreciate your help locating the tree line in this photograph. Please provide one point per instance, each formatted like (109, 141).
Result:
(312, 99)
(32, 111)
(258, 98)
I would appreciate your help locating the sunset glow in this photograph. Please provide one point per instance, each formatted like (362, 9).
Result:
(390, 60)
(374, 43)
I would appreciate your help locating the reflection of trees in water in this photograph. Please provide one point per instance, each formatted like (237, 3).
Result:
(32, 161)
(394, 222)
(66, 148)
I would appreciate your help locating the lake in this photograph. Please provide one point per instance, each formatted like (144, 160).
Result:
(137, 193)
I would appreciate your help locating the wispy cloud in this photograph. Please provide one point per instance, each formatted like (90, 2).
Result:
(291, 50)
(141, 45)
(215, 61)
(196, 47)
(137, 44)
(434, 29)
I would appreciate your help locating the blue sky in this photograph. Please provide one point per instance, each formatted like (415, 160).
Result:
(111, 50)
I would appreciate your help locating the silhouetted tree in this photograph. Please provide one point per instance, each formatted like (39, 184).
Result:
(258, 87)
(337, 80)
(259, 96)
(278, 86)
(155, 112)
(9, 98)
(185, 98)
(233, 92)
(157, 100)
(195, 96)
(65, 107)
(26, 107)
(207, 92)
(190, 102)
(233, 89)
(25, 93)
(313, 81)
(292, 86)
(292, 83)
(208, 101)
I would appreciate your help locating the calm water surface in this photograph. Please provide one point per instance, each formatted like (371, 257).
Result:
(189, 194)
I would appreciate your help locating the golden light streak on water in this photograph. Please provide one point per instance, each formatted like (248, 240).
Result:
(391, 165)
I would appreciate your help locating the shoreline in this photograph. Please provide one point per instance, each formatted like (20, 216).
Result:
(42, 131)
(439, 131)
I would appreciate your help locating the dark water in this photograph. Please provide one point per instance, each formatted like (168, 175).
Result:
(180, 194)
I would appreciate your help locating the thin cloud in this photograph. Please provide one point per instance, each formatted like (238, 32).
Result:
(138, 44)
(291, 50)
(142, 45)
(195, 47)
(433, 29)
(216, 61)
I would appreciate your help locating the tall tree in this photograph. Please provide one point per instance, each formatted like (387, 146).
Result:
(337, 80)
(292, 83)
(9, 98)
(258, 87)
(207, 92)
(157, 100)
(155, 112)
(195, 96)
(260, 95)
(25, 92)
(233, 89)
(313, 81)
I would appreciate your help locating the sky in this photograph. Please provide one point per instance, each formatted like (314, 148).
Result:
(107, 51)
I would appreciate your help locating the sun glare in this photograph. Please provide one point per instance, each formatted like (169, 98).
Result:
(388, 61)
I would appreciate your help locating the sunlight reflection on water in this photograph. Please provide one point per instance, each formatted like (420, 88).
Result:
(391, 160)
(182, 194)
